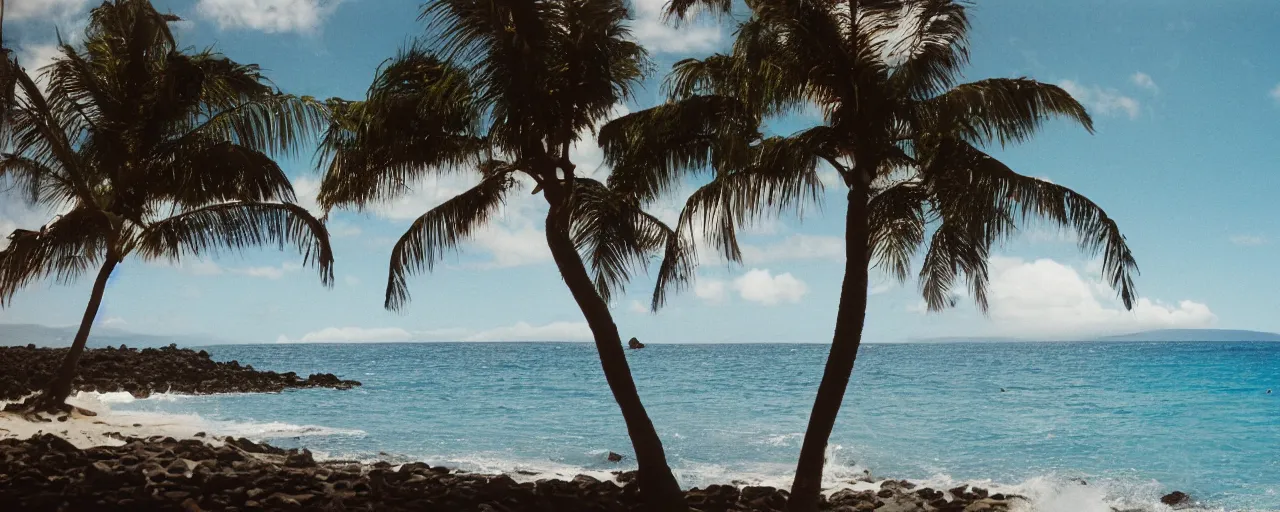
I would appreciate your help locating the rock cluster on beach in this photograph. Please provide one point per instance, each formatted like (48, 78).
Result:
(23, 370)
(46, 473)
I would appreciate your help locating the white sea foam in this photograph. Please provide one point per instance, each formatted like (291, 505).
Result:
(109, 425)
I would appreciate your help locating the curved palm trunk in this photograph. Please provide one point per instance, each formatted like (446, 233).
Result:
(658, 487)
(59, 388)
(806, 488)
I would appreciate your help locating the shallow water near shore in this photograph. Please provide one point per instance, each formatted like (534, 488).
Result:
(1133, 420)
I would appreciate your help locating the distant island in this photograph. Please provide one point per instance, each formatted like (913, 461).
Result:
(1194, 335)
(1155, 335)
(45, 336)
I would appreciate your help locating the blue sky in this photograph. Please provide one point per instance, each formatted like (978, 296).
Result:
(1186, 100)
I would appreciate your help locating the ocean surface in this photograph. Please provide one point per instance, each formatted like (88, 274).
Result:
(1077, 427)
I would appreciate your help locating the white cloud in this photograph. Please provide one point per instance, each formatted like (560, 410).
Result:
(524, 331)
(1249, 240)
(201, 267)
(15, 213)
(263, 272)
(658, 37)
(765, 288)
(879, 289)
(353, 335)
(710, 290)
(1049, 300)
(266, 272)
(1144, 81)
(638, 307)
(44, 9)
(520, 331)
(1275, 93)
(796, 247)
(1103, 101)
(585, 153)
(114, 321)
(271, 16)
(351, 280)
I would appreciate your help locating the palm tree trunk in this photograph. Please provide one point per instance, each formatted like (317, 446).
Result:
(59, 388)
(658, 487)
(807, 486)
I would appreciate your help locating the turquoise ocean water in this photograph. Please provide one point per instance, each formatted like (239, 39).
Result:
(1130, 420)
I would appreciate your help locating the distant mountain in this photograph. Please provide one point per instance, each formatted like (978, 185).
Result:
(44, 336)
(1195, 335)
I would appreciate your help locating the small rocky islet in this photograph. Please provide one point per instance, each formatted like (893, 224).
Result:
(25, 369)
(47, 473)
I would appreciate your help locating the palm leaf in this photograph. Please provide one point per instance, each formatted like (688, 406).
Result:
(1003, 110)
(65, 249)
(441, 229)
(235, 227)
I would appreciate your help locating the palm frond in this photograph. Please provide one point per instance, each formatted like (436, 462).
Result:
(928, 57)
(443, 228)
(897, 222)
(682, 10)
(1003, 110)
(781, 176)
(617, 238)
(954, 253)
(274, 124)
(419, 117)
(998, 197)
(65, 248)
(207, 172)
(236, 226)
(652, 150)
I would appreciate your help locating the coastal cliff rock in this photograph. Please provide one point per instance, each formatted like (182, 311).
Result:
(47, 473)
(634, 344)
(23, 370)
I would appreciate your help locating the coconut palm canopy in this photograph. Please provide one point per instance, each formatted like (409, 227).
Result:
(505, 104)
(148, 149)
(892, 97)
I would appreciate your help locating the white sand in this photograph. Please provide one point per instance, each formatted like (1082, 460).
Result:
(105, 429)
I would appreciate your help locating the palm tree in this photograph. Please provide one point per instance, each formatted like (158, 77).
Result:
(503, 92)
(146, 150)
(904, 138)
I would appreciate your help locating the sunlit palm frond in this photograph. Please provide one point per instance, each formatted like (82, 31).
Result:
(681, 10)
(442, 229)
(930, 47)
(235, 227)
(65, 248)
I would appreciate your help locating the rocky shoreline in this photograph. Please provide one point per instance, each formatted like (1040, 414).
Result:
(47, 473)
(24, 370)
